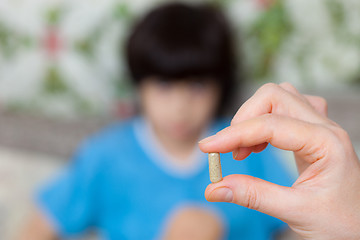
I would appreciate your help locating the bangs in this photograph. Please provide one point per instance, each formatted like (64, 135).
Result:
(178, 41)
(181, 42)
(179, 63)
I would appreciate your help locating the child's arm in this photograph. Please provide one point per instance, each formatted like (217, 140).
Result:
(37, 228)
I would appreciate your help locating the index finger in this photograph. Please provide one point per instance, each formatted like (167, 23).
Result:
(282, 132)
(271, 98)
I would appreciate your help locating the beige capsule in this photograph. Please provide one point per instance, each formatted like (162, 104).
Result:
(215, 167)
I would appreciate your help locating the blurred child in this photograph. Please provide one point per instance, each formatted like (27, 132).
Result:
(145, 178)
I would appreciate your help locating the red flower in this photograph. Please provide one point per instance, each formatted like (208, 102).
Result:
(266, 4)
(52, 41)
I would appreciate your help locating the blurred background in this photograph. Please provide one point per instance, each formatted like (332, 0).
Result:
(62, 75)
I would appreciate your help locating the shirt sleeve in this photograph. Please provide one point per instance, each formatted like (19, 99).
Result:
(69, 201)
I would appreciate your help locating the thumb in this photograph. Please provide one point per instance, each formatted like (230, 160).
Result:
(254, 193)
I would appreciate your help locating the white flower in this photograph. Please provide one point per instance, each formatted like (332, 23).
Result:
(352, 16)
(89, 78)
(243, 13)
(19, 76)
(309, 17)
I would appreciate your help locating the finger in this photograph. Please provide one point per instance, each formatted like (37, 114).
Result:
(282, 132)
(260, 147)
(272, 98)
(290, 88)
(255, 193)
(319, 104)
(244, 152)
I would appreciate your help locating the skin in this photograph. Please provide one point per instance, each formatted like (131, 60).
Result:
(193, 223)
(37, 228)
(323, 203)
(178, 112)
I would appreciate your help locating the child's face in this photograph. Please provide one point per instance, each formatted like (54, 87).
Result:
(179, 109)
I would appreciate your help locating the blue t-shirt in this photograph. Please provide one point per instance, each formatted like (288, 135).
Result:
(120, 183)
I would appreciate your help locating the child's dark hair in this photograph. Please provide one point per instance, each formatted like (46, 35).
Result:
(178, 41)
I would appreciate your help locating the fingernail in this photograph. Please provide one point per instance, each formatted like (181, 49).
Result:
(208, 139)
(222, 194)
(235, 153)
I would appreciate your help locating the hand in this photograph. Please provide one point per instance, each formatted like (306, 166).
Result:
(193, 223)
(324, 202)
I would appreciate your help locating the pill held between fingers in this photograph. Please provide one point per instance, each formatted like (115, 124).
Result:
(215, 167)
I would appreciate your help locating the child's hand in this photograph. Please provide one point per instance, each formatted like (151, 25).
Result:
(192, 223)
(324, 202)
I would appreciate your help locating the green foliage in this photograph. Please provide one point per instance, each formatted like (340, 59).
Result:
(336, 11)
(123, 87)
(53, 84)
(220, 3)
(5, 41)
(265, 39)
(269, 31)
(53, 16)
(85, 47)
(10, 42)
(121, 11)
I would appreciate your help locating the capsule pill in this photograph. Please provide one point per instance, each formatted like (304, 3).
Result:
(215, 167)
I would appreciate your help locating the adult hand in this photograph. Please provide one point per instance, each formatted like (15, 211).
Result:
(324, 202)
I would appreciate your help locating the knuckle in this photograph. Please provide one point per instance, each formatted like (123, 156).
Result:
(341, 134)
(269, 88)
(340, 137)
(288, 86)
(269, 119)
(322, 103)
(285, 84)
(252, 197)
